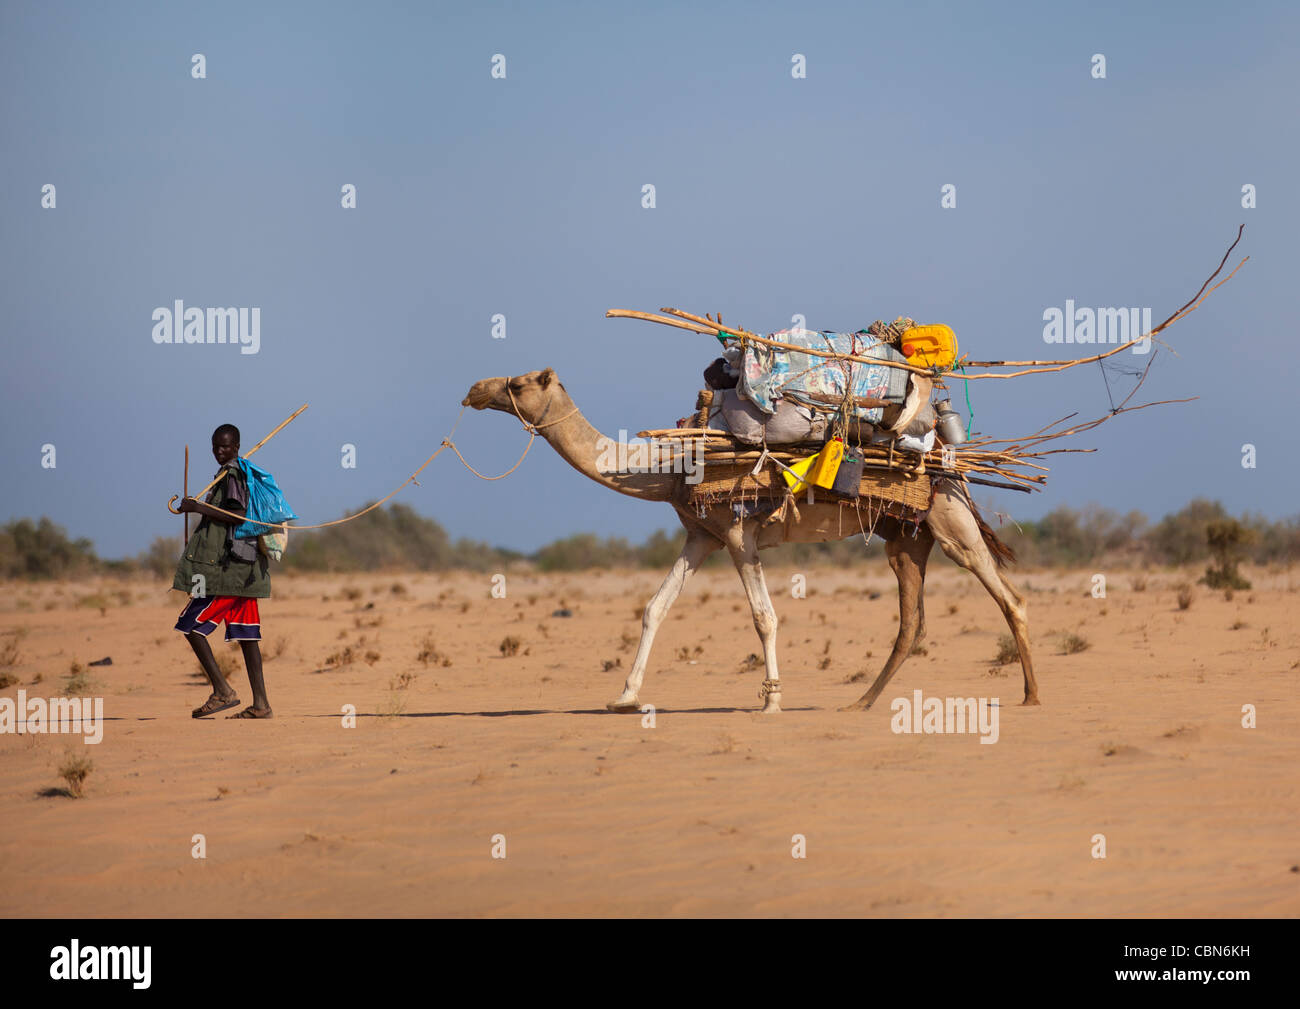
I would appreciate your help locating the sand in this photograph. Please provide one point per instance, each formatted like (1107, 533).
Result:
(1139, 738)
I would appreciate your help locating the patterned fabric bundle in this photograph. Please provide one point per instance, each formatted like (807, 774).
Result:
(769, 374)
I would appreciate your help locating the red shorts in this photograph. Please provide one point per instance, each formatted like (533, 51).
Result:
(243, 622)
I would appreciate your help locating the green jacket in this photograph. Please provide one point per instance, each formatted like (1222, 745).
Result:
(229, 567)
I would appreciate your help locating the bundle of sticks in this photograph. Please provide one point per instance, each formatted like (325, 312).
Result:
(1015, 468)
(1012, 461)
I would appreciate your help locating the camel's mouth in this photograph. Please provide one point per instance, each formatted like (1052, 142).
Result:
(479, 395)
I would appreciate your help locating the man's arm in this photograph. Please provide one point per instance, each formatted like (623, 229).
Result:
(207, 511)
(236, 500)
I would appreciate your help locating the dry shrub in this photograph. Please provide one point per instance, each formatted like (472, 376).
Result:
(75, 769)
(1007, 651)
(1072, 644)
(344, 658)
(429, 654)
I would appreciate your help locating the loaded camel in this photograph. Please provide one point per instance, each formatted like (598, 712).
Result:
(540, 402)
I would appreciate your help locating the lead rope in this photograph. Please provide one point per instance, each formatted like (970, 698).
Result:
(532, 430)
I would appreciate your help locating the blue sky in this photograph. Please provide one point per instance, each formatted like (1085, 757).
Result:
(522, 196)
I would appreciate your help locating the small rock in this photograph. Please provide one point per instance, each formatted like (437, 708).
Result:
(107, 660)
(562, 613)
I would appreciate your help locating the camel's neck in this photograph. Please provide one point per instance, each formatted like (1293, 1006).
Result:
(598, 456)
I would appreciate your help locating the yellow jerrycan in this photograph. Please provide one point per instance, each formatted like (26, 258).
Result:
(818, 470)
(930, 346)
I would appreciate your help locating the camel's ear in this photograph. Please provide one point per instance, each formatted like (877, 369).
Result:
(546, 377)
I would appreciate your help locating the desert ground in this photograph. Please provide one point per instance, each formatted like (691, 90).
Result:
(1139, 738)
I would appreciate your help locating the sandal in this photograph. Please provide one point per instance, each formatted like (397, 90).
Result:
(214, 704)
(251, 712)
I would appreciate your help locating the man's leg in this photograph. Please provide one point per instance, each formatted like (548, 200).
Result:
(223, 694)
(253, 660)
(194, 620)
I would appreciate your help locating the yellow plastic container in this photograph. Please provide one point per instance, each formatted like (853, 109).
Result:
(930, 346)
(818, 470)
(801, 467)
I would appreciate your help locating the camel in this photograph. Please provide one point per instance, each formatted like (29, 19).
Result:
(540, 402)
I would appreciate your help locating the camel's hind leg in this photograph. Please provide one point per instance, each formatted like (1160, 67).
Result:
(958, 535)
(698, 546)
(908, 557)
(742, 543)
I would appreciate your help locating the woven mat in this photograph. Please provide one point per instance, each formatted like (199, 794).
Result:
(725, 481)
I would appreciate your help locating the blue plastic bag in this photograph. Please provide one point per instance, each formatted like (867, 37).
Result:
(266, 503)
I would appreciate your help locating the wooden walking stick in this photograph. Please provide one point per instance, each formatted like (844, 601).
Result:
(209, 487)
(185, 492)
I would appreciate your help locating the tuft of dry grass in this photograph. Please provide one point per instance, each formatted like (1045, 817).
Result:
(1072, 644)
(9, 650)
(429, 655)
(76, 767)
(1184, 596)
(1007, 651)
(344, 658)
(510, 645)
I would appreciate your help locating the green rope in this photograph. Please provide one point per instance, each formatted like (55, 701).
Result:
(969, 409)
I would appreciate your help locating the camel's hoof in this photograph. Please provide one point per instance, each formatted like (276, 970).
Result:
(858, 705)
(1029, 702)
(772, 706)
(622, 707)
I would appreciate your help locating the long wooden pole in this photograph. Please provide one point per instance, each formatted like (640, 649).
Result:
(278, 429)
(694, 327)
(185, 492)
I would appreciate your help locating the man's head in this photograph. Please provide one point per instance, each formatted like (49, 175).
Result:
(225, 444)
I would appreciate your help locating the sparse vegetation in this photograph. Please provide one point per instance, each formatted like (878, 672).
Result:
(510, 646)
(429, 654)
(1072, 644)
(1007, 651)
(74, 770)
(341, 658)
(1226, 539)
(1184, 596)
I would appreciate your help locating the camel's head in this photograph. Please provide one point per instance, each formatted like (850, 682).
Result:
(527, 396)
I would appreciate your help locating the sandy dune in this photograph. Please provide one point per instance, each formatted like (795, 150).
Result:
(1139, 738)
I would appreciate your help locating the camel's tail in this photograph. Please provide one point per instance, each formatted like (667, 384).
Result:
(1002, 554)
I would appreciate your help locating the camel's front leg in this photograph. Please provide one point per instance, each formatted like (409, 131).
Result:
(743, 546)
(698, 546)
